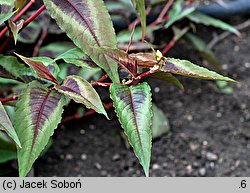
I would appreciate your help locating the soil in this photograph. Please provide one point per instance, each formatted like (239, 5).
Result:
(210, 130)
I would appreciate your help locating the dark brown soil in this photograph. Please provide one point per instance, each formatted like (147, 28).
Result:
(210, 131)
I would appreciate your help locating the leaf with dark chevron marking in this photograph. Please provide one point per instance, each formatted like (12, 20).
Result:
(186, 68)
(134, 109)
(38, 112)
(89, 25)
(81, 91)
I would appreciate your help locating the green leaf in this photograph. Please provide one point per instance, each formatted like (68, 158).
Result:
(11, 65)
(6, 125)
(30, 33)
(38, 112)
(7, 156)
(54, 49)
(198, 17)
(140, 8)
(49, 64)
(160, 123)
(133, 107)
(77, 57)
(168, 77)
(179, 11)
(186, 68)
(15, 28)
(41, 70)
(81, 91)
(6, 143)
(89, 25)
(7, 2)
(5, 16)
(204, 51)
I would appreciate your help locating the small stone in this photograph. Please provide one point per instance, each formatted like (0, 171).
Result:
(116, 157)
(202, 172)
(189, 117)
(98, 166)
(195, 164)
(204, 143)
(69, 157)
(62, 156)
(165, 165)
(83, 157)
(157, 90)
(91, 127)
(224, 66)
(247, 65)
(211, 165)
(211, 156)
(218, 115)
(82, 132)
(236, 48)
(189, 169)
(193, 146)
(104, 173)
(156, 167)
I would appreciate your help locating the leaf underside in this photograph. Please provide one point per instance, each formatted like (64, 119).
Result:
(168, 77)
(41, 70)
(38, 112)
(89, 25)
(81, 91)
(201, 18)
(133, 107)
(179, 11)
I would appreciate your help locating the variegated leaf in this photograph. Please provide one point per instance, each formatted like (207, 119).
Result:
(38, 112)
(81, 91)
(89, 25)
(186, 68)
(134, 110)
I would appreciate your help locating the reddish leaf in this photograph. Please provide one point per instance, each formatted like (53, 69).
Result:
(40, 69)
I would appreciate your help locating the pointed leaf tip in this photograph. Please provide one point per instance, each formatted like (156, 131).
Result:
(187, 68)
(41, 70)
(81, 91)
(134, 109)
(88, 24)
(38, 112)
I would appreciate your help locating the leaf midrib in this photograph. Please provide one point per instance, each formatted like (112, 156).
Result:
(86, 22)
(38, 120)
(136, 122)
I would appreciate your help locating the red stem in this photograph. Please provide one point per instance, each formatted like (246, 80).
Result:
(143, 75)
(137, 21)
(86, 114)
(169, 46)
(34, 16)
(103, 78)
(162, 14)
(30, 19)
(18, 16)
(15, 97)
(40, 42)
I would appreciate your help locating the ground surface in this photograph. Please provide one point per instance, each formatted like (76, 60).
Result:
(210, 131)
